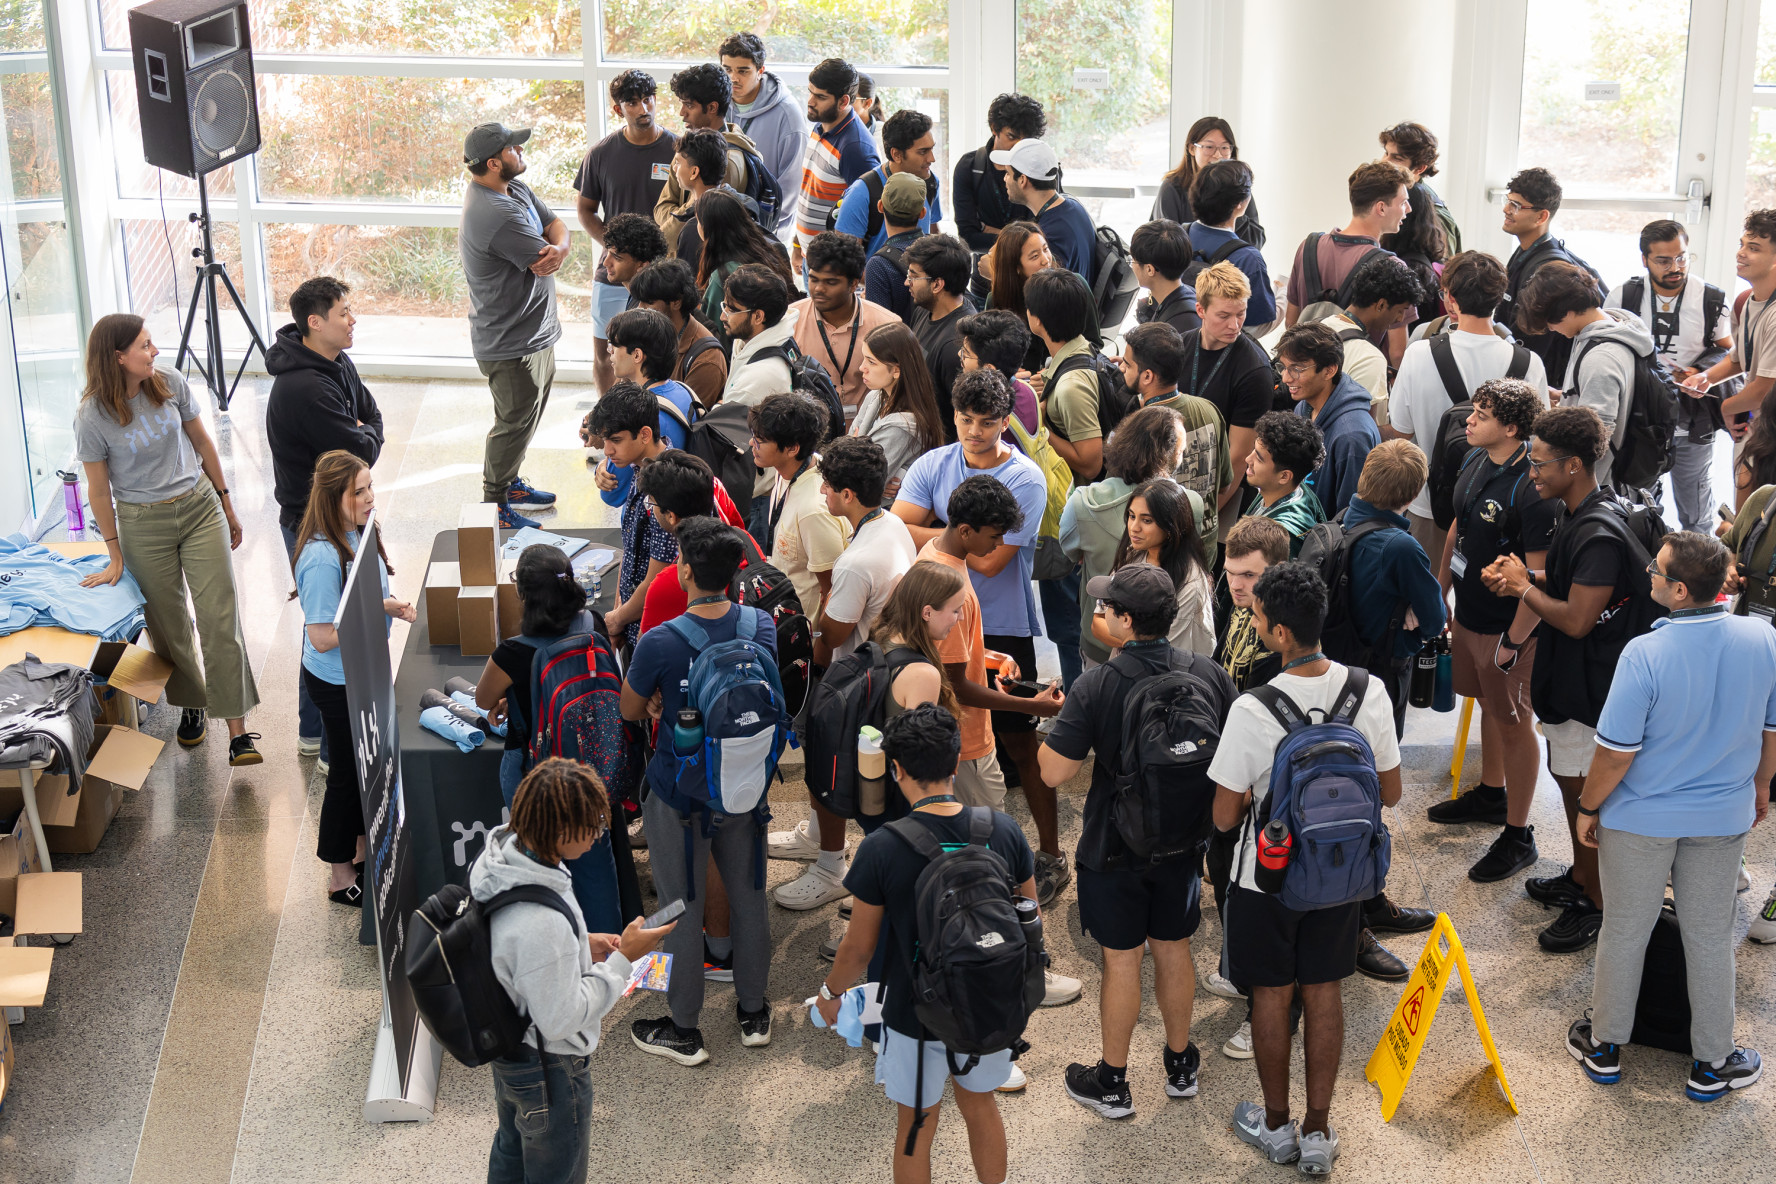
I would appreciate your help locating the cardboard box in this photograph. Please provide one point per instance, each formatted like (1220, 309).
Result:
(477, 614)
(443, 581)
(477, 544)
(5, 1059)
(18, 856)
(48, 902)
(511, 609)
(75, 824)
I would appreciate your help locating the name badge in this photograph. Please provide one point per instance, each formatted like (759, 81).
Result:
(662, 171)
(1458, 565)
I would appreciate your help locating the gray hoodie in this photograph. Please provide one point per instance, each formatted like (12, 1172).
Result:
(1604, 381)
(546, 969)
(778, 125)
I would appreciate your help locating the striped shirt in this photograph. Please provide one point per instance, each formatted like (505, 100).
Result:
(835, 159)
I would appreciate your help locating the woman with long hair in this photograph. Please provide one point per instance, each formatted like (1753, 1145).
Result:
(339, 504)
(140, 434)
(1018, 253)
(926, 604)
(1424, 246)
(1160, 529)
(1210, 139)
(732, 237)
(1756, 466)
(900, 411)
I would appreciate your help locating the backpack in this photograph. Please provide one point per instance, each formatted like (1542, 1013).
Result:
(721, 436)
(1662, 1010)
(698, 348)
(1645, 522)
(745, 724)
(1449, 450)
(1324, 786)
(1701, 416)
(896, 257)
(1163, 795)
(1313, 289)
(873, 184)
(852, 693)
(1328, 548)
(1115, 400)
(1555, 350)
(764, 197)
(1051, 561)
(1646, 453)
(762, 586)
(1114, 285)
(807, 377)
(449, 963)
(576, 694)
(1200, 263)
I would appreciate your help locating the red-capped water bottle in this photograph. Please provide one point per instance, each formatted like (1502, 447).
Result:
(1275, 846)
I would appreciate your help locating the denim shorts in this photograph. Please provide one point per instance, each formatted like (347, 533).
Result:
(897, 1069)
(607, 301)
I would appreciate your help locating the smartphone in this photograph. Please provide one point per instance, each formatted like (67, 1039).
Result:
(1726, 514)
(1022, 687)
(670, 913)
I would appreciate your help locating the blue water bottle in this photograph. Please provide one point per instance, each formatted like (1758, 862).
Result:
(1445, 697)
(687, 725)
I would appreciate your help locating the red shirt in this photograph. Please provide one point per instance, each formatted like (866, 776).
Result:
(665, 595)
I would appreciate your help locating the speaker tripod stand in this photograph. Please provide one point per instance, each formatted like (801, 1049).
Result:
(215, 368)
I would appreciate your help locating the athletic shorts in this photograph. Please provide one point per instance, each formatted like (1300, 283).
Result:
(1122, 908)
(897, 1070)
(980, 783)
(1571, 746)
(1505, 696)
(1023, 652)
(1269, 945)
(607, 301)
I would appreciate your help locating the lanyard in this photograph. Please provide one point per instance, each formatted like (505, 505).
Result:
(788, 487)
(1479, 487)
(856, 322)
(1196, 360)
(935, 799)
(865, 521)
(1672, 318)
(1303, 660)
(1707, 610)
(702, 600)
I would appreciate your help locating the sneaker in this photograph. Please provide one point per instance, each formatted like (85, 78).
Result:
(717, 970)
(1388, 917)
(1708, 1084)
(1317, 1152)
(1239, 1045)
(1181, 1071)
(1505, 858)
(845, 907)
(1218, 985)
(308, 746)
(1763, 926)
(1281, 1145)
(1085, 1085)
(522, 492)
(1058, 989)
(1602, 1062)
(1016, 1082)
(241, 750)
(663, 1038)
(810, 890)
(1376, 961)
(755, 1026)
(1480, 804)
(829, 949)
(510, 519)
(1574, 929)
(795, 843)
(1052, 875)
(191, 727)
(638, 838)
(1744, 884)
(1553, 892)
(322, 766)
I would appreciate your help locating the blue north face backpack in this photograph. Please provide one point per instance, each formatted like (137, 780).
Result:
(1324, 786)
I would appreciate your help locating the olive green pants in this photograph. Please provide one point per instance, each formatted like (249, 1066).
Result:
(520, 389)
(173, 546)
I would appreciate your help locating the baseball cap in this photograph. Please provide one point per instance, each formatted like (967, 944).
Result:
(488, 140)
(903, 197)
(1032, 158)
(1138, 587)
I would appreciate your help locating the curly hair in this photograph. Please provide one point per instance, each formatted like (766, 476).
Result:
(1575, 431)
(632, 86)
(1294, 443)
(636, 236)
(559, 801)
(1416, 143)
(1512, 402)
(1020, 113)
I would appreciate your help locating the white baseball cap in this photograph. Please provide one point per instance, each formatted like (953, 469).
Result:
(1032, 158)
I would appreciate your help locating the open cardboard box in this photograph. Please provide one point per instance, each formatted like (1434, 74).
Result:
(48, 902)
(73, 824)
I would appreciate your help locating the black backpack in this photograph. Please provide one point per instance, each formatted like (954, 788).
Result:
(1449, 450)
(807, 377)
(1327, 548)
(1646, 453)
(1702, 416)
(1645, 522)
(1114, 285)
(449, 963)
(1164, 797)
(1662, 1011)
(764, 197)
(853, 692)
(721, 436)
(873, 184)
(896, 257)
(760, 585)
(1313, 290)
(1115, 400)
(1200, 263)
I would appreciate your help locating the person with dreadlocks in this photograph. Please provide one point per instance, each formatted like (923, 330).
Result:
(563, 979)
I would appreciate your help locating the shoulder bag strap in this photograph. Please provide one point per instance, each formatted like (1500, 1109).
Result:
(1443, 353)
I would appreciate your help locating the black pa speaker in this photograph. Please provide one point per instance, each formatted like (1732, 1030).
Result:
(194, 83)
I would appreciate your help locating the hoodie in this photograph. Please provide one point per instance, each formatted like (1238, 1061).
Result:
(1390, 567)
(1601, 376)
(1349, 432)
(1091, 531)
(777, 126)
(544, 966)
(315, 406)
(1298, 513)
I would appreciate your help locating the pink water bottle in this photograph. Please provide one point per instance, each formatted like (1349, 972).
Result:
(71, 500)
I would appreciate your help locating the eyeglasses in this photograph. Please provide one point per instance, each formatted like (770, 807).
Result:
(1653, 570)
(1536, 466)
(1513, 206)
(1298, 369)
(1219, 151)
(734, 309)
(1671, 260)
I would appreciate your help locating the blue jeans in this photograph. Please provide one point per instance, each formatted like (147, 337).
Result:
(1060, 620)
(308, 716)
(545, 1120)
(594, 873)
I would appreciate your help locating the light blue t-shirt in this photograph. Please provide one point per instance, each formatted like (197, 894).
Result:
(854, 212)
(1691, 700)
(679, 395)
(1007, 604)
(320, 585)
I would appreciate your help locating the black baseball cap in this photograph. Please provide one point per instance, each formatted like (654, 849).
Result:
(488, 140)
(1138, 587)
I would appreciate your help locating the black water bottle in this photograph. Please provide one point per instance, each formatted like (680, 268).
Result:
(1424, 676)
(1031, 919)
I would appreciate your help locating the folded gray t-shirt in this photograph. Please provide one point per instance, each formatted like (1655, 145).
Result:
(151, 458)
(511, 309)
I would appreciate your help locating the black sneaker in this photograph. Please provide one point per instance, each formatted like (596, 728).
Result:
(1052, 875)
(1181, 1071)
(1388, 917)
(1086, 1086)
(1708, 1084)
(755, 1026)
(663, 1038)
(1505, 858)
(191, 727)
(1553, 892)
(241, 750)
(1574, 929)
(1602, 1062)
(1483, 803)
(1375, 961)
(717, 970)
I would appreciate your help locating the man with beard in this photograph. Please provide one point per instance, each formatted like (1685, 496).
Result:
(840, 150)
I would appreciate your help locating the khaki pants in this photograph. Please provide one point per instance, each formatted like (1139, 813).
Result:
(181, 545)
(520, 394)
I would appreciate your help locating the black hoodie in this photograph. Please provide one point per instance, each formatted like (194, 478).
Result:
(315, 407)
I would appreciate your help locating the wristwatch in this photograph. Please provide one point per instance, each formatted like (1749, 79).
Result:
(1505, 643)
(826, 994)
(1589, 813)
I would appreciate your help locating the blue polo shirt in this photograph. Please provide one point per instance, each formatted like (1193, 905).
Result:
(1691, 700)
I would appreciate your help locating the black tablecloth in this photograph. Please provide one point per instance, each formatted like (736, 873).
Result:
(453, 798)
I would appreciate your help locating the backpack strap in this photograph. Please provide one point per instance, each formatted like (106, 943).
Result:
(1633, 292)
(1280, 706)
(1310, 268)
(1350, 699)
(1519, 362)
(1443, 353)
(919, 838)
(1350, 279)
(1758, 529)
(691, 633)
(531, 894)
(873, 184)
(980, 825)
(671, 409)
(746, 628)
(1714, 302)
(1226, 251)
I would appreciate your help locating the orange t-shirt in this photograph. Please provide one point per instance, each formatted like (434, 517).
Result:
(966, 645)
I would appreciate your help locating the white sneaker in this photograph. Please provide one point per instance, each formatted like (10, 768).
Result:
(321, 767)
(1239, 1045)
(1220, 986)
(810, 890)
(1763, 926)
(1016, 1082)
(1744, 877)
(308, 746)
(795, 843)
(1058, 989)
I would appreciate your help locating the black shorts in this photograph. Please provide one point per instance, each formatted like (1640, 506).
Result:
(1023, 652)
(1272, 946)
(1121, 909)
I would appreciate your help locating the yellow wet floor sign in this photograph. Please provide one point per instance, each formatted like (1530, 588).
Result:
(1391, 1065)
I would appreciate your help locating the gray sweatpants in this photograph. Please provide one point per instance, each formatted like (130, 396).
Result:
(1690, 483)
(735, 844)
(1704, 874)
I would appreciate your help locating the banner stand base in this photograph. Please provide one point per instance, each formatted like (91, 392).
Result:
(384, 1102)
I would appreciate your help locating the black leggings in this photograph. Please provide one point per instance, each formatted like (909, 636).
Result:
(342, 808)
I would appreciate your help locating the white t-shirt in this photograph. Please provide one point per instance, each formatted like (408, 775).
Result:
(865, 576)
(1419, 397)
(807, 539)
(1250, 738)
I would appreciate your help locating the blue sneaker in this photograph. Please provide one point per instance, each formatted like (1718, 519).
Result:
(524, 493)
(1602, 1062)
(510, 519)
(1708, 1084)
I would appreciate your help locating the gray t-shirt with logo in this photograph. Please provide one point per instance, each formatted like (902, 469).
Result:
(150, 458)
(511, 309)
